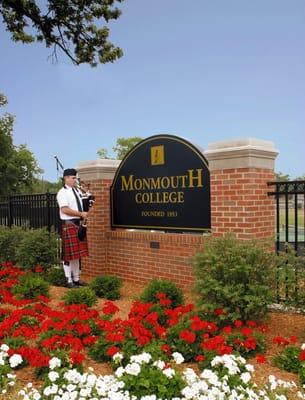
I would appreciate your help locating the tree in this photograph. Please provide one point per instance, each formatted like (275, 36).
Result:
(102, 153)
(18, 166)
(279, 176)
(300, 178)
(123, 145)
(74, 26)
(43, 186)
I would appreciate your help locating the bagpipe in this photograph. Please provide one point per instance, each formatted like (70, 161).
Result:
(88, 200)
(86, 196)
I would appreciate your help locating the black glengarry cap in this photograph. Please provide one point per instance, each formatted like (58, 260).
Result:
(70, 172)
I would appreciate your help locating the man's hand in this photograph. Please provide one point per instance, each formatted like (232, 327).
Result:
(84, 215)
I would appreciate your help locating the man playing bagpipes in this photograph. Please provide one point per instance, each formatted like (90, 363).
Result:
(73, 234)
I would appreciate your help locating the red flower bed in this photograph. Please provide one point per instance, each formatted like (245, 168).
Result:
(43, 330)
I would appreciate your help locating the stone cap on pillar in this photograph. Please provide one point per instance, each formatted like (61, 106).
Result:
(103, 168)
(241, 153)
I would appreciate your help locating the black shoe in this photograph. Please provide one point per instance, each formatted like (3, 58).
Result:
(71, 285)
(80, 283)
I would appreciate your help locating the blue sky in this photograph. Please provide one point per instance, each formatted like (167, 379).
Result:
(205, 70)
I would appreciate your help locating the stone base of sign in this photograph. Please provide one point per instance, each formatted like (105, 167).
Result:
(239, 171)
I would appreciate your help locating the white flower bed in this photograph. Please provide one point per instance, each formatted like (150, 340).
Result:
(228, 379)
(7, 379)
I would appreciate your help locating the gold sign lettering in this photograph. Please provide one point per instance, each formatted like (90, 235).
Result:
(165, 182)
(159, 214)
(127, 185)
(153, 214)
(159, 197)
(194, 178)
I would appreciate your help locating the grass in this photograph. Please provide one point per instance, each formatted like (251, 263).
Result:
(291, 219)
(291, 225)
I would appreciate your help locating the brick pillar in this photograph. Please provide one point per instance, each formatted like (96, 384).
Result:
(99, 174)
(240, 170)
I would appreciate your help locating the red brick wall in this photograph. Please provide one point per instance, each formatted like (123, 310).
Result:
(239, 204)
(129, 255)
(98, 225)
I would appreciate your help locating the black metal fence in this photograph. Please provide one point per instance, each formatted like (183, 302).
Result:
(30, 210)
(290, 234)
(290, 226)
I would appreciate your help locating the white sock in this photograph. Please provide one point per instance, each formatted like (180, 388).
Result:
(67, 271)
(74, 265)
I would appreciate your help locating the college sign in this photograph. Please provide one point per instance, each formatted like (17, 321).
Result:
(162, 183)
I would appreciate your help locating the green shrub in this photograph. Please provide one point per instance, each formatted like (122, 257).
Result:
(3, 312)
(302, 373)
(235, 276)
(30, 286)
(107, 286)
(10, 239)
(98, 351)
(37, 247)
(56, 276)
(289, 359)
(14, 342)
(83, 295)
(154, 348)
(156, 286)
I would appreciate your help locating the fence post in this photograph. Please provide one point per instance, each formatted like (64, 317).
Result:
(10, 212)
(48, 211)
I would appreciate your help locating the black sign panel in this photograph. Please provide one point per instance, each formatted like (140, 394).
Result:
(162, 183)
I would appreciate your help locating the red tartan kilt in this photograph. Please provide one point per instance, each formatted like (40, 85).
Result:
(72, 247)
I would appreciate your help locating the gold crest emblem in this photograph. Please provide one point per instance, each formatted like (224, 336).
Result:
(157, 155)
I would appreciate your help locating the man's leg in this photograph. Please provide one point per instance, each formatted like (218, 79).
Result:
(75, 270)
(68, 273)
